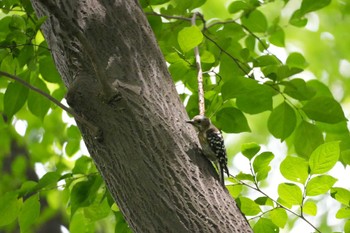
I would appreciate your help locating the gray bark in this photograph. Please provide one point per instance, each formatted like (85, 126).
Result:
(117, 80)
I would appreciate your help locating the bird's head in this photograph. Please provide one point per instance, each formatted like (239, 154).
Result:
(201, 123)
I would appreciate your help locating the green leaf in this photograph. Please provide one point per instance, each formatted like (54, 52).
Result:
(238, 86)
(296, 60)
(232, 120)
(29, 213)
(80, 224)
(247, 206)
(97, 211)
(261, 165)
(255, 21)
(324, 109)
(244, 176)
(189, 37)
(312, 5)
(324, 157)
(347, 227)
(294, 169)
(9, 208)
(277, 37)
(50, 179)
(319, 185)
(343, 213)
(256, 100)
(279, 217)
(234, 190)
(282, 121)
(207, 57)
(15, 96)
(82, 165)
(266, 60)
(38, 104)
(264, 201)
(178, 70)
(290, 193)
(237, 6)
(17, 23)
(298, 89)
(265, 225)
(310, 208)
(121, 225)
(48, 70)
(298, 19)
(307, 138)
(84, 193)
(72, 147)
(249, 150)
(342, 195)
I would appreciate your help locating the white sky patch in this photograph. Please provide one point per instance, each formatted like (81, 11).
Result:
(21, 127)
(328, 38)
(40, 169)
(344, 68)
(313, 22)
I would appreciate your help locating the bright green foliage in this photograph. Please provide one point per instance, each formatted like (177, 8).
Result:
(290, 194)
(324, 157)
(247, 206)
(307, 138)
(319, 185)
(249, 150)
(264, 225)
(9, 208)
(310, 208)
(189, 38)
(295, 169)
(29, 213)
(279, 217)
(324, 109)
(249, 90)
(261, 165)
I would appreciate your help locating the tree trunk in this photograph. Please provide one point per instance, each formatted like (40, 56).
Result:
(118, 81)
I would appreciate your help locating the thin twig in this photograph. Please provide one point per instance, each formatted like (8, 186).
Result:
(276, 202)
(50, 98)
(199, 74)
(168, 16)
(238, 62)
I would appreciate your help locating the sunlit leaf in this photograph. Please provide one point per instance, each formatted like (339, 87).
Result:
(294, 169)
(290, 193)
(310, 208)
(247, 206)
(324, 157)
(264, 225)
(319, 185)
(249, 150)
(189, 38)
(279, 217)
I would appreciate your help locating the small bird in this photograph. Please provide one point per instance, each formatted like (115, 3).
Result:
(212, 143)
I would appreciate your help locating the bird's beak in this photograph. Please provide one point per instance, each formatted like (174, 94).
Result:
(190, 122)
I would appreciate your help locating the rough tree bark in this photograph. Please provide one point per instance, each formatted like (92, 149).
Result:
(117, 80)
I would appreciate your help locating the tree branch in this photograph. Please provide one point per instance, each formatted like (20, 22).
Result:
(201, 101)
(50, 98)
